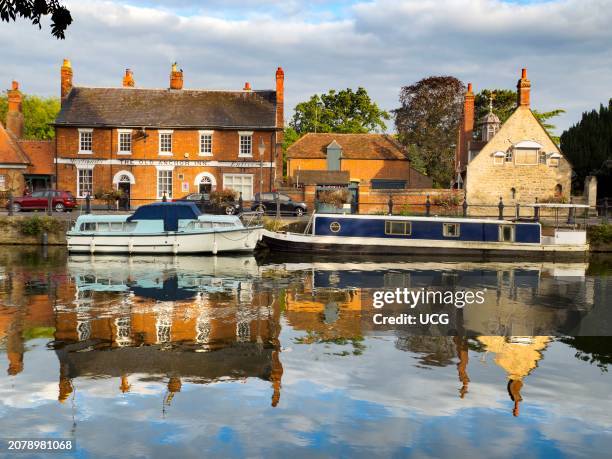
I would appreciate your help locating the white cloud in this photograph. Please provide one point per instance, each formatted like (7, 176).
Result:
(382, 45)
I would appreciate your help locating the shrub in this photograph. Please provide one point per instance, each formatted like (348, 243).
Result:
(446, 201)
(554, 200)
(336, 197)
(222, 196)
(34, 226)
(600, 234)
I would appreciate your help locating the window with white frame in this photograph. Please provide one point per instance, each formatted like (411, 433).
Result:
(2, 182)
(246, 144)
(164, 183)
(85, 140)
(240, 183)
(125, 142)
(206, 143)
(84, 182)
(165, 143)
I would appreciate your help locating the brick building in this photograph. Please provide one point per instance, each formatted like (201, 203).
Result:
(517, 160)
(24, 164)
(375, 160)
(151, 143)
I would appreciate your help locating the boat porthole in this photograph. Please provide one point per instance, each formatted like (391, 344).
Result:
(334, 227)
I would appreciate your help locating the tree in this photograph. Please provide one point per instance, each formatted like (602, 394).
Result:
(588, 146)
(427, 123)
(344, 111)
(504, 104)
(38, 113)
(34, 10)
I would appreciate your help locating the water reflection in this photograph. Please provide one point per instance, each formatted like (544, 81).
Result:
(295, 333)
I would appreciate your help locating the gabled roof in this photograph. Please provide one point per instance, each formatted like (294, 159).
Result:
(10, 151)
(354, 146)
(155, 108)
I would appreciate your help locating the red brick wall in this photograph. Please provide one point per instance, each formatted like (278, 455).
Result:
(185, 146)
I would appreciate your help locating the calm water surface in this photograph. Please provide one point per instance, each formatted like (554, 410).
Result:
(233, 356)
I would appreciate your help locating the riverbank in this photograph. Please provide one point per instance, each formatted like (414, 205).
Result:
(51, 230)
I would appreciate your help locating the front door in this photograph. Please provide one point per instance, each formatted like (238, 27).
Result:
(205, 188)
(124, 201)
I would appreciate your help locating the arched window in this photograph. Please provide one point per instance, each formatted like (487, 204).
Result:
(558, 190)
(513, 192)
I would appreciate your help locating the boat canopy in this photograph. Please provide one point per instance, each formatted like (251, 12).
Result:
(169, 212)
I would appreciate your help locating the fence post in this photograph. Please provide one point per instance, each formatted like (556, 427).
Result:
(390, 204)
(465, 205)
(240, 202)
(605, 213)
(49, 203)
(427, 206)
(571, 215)
(202, 203)
(164, 197)
(536, 211)
(501, 208)
(277, 199)
(518, 211)
(11, 203)
(88, 203)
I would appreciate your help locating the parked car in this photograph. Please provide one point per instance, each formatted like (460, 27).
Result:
(38, 200)
(203, 201)
(267, 204)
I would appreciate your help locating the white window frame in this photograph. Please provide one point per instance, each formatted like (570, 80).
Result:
(166, 132)
(3, 180)
(242, 134)
(445, 230)
(202, 135)
(121, 132)
(158, 190)
(501, 233)
(78, 182)
(81, 132)
(244, 197)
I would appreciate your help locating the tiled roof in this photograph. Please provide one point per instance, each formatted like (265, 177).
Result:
(10, 151)
(354, 146)
(41, 154)
(135, 107)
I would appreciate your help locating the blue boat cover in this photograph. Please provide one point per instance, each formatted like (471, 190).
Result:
(169, 212)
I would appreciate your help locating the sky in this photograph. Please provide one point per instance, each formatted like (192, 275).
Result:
(382, 45)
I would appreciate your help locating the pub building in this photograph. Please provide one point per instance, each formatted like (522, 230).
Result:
(156, 143)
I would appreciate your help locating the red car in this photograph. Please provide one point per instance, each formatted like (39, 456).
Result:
(38, 200)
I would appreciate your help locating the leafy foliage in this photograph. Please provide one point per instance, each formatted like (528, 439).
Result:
(345, 111)
(34, 10)
(588, 146)
(335, 197)
(38, 113)
(33, 226)
(219, 197)
(427, 123)
(600, 234)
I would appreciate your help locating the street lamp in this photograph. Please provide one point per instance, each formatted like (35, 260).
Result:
(262, 149)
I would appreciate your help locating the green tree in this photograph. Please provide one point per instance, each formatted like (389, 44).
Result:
(344, 111)
(427, 123)
(504, 104)
(588, 146)
(35, 10)
(38, 113)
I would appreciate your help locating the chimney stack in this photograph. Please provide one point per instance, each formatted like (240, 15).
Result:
(280, 98)
(523, 89)
(247, 86)
(14, 117)
(128, 79)
(66, 79)
(176, 78)
(466, 129)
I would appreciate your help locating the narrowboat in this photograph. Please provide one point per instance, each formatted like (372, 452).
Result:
(164, 228)
(391, 235)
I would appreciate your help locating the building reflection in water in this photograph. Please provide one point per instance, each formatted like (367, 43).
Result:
(201, 320)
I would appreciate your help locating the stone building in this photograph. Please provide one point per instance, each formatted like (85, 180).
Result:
(24, 164)
(517, 160)
(151, 143)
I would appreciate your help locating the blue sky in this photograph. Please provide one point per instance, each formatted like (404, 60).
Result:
(379, 44)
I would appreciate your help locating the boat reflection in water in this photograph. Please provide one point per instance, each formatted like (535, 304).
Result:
(167, 318)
